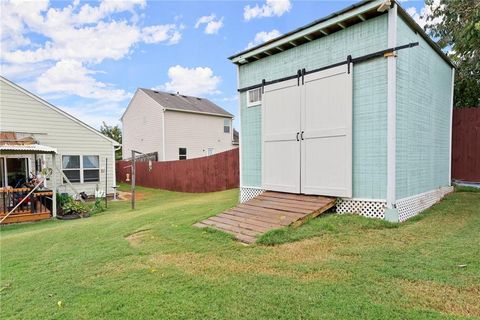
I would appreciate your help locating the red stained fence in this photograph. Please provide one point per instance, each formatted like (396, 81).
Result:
(206, 174)
(466, 144)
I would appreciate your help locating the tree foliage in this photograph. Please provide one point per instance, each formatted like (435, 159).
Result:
(459, 31)
(115, 133)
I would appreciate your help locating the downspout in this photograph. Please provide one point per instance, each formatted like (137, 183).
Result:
(451, 128)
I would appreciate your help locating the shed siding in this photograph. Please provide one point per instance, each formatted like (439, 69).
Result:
(142, 126)
(369, 101)
(21, 113)
(196, 132)
(423, 117)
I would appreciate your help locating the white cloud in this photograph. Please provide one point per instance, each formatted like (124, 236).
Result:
(269, 9)
(70, 77)
(263, 36)
(212, 25)
(83, 33)
(421, 16)
(197, 81)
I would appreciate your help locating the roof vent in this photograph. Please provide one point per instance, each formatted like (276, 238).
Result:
(184, 96)
(172, 94)
(199, 98)
(156, 91)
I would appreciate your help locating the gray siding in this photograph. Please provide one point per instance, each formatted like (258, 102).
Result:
(142, 126)
(19, 112)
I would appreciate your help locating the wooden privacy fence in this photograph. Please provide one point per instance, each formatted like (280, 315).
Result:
(206, 174)
(466, 144)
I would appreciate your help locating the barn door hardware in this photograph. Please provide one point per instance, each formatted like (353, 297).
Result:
(348, 61)
(303, 76)
(263, 86)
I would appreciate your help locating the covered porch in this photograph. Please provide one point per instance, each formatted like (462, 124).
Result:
(27, 186)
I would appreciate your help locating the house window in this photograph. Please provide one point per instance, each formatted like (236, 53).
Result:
(254, 97)
(79, 169)
(226, 125)
(71, 167)
(182, 153)
(91, 168)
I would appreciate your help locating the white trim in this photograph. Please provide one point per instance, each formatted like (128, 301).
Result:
(163, 135)
(51, 106)
(228, 116)
(240, 167)
(363, 199)
(391, 108)
(451, 128)
(114, 171)
(317, 27)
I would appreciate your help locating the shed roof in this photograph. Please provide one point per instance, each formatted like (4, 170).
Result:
(339, 20)
(177, 102)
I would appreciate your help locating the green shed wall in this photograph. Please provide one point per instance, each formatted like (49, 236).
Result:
(423, 116)
(369, 101)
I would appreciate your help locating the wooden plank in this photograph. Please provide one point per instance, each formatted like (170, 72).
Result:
(250, 219)
(241, 237)
(295, 203)
(270, 212)
(301, 197)
(278, 206)
(17, 218)
(316, 202)
(224, 226)
(267, 217)
(273, 222)
(243, 225)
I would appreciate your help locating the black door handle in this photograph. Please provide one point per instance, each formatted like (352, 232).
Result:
(297, 135)
(302, 135)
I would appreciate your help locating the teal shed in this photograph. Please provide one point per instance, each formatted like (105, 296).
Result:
(356, 105)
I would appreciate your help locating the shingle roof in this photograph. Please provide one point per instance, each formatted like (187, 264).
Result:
(171, 101)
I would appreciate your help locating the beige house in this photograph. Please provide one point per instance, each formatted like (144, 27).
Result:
(32, 129)
(175, 127)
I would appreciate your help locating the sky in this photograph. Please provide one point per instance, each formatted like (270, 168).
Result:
(89, 57)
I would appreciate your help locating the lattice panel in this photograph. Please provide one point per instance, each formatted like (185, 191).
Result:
(367, 208)
(411, 206)
(247, 193)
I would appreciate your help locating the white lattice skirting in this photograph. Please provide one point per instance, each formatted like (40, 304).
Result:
(247, 193)
(367, 208)
(411, 206)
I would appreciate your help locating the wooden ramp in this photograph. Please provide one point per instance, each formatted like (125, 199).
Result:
(270, 210)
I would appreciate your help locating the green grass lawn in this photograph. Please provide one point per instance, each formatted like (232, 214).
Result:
(152, 264)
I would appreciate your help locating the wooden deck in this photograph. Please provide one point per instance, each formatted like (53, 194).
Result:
(25, 217)
(270, 210)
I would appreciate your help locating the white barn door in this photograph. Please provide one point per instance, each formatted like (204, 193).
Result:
(326, 145)
(281, 146)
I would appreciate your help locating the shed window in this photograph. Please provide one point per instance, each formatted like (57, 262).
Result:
(71, 168)
(182, 153)
(91, 169)
(254, 97)
(226, 125)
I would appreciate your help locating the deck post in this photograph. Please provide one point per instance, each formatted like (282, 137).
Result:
(54, 188)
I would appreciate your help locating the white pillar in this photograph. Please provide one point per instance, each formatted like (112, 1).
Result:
(54, 186)
(391, 108)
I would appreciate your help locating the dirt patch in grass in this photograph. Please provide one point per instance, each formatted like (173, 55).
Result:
(443, 298)
(209, 265)
(122, 195)
(136, 238)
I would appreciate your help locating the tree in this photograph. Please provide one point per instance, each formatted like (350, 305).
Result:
(456, 25)
(115, 133)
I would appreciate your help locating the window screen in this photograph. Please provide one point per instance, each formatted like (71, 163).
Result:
(254, 97)
(91, 168)
(71, 167)
(226, 125)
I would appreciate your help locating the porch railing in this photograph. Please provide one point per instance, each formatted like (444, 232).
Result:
(24, 201)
